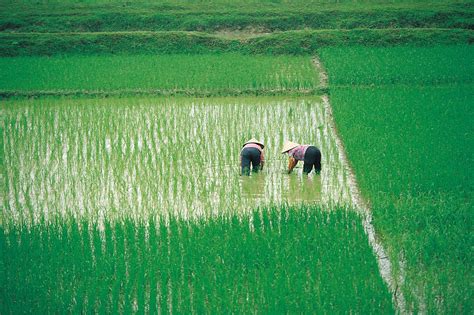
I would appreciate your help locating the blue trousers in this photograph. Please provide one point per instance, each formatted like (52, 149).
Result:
(250, 156)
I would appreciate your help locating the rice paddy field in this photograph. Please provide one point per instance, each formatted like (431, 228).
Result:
(152, 157)
(121, 127)
(407, 127)
(277, 260)
(106, 169)
(158, 74)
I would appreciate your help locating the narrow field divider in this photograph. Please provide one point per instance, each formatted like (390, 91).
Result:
(305, 42)
(5, 94)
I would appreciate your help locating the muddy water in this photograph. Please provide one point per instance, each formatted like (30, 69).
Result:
(142, 157)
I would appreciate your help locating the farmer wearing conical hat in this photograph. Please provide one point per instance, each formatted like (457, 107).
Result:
(310, 155)
(251, 154)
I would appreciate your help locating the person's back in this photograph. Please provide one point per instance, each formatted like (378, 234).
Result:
(309, 154)
(251, 156)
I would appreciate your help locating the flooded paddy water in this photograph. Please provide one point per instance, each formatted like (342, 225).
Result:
(153, 157)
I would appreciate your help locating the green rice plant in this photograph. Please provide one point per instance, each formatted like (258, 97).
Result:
(365, 66)
(274, 260)
(408, 134)
(152, 157)
(158, 73)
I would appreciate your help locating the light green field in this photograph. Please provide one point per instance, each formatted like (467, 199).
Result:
(159, 74)
(149, 157)
(407, 127)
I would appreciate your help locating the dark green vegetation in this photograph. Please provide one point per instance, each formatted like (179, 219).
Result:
(294, 260)
(158, 74)
(291, 42)
(270, 27)
(210, 16)
(406, 122)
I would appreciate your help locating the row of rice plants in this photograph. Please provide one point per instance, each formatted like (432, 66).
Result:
(205, 73)
(399, 65)
(275, 260)
(140, 157)
(411, 148)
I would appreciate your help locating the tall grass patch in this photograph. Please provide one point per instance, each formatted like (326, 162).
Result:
(100, 16)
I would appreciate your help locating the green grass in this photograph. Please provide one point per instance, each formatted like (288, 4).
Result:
(213, 16)
(301, 42)
(163, 73)
(285, 260)
(408, 134)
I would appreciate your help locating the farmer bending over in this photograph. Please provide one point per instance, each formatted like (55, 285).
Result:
(307, 153)
(252, 153)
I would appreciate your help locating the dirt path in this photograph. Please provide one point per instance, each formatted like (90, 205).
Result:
(351, 196)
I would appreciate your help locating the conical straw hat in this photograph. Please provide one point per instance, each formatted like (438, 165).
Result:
(288, 146)
(253, 140)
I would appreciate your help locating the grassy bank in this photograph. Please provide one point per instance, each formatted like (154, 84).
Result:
(158, 74)
(304, 42)
(406, 122)
(260, 16)
(275, 261)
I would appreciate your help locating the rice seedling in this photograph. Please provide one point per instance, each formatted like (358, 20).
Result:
(164, 74)
(124, 205)
(365, 66)
(411, 147)
(142, 158)
(286, 262)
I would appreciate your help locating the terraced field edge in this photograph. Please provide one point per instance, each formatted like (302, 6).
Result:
(159, 92)
(291, 42)
(225, 15)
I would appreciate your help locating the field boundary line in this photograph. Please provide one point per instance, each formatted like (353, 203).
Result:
(295, 42)
(362, 207)
(216, 33)
(5, 94)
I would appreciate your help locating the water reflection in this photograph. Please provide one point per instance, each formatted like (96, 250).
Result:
(253, 186)
(119, 158)
(260, 188)
(302, 188)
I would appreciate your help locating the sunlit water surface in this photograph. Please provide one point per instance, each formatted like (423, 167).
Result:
(143, 157)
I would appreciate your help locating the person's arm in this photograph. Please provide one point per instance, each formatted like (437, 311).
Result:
(262, 160)
(291, 164)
